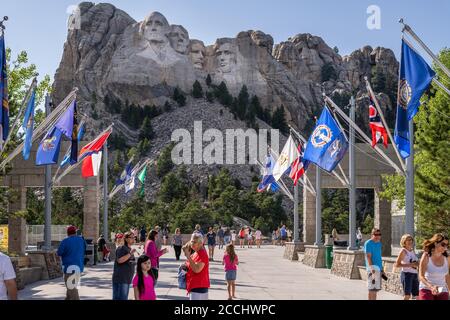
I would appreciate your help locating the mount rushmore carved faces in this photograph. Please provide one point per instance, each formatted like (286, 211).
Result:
(154, 28)
(197, 53)
(226, 57)
(179, 38)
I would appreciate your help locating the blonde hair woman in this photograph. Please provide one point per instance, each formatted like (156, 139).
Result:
(408, 261)
(197, 277)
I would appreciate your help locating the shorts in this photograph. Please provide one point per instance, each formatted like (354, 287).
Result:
(374, 281)
(283, 238)
(211, 244)
(410, 283)
(230, 275)
(425, 294)
(242, 238)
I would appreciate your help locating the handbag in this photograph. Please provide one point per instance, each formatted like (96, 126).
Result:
(182, 271)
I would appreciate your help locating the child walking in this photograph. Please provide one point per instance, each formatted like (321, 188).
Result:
(230, 261)
(143, 281)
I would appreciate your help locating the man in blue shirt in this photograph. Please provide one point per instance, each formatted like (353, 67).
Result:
(283, 234)
(374, 263)
(72, 251)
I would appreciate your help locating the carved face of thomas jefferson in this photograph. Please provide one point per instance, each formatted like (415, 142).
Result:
(226, 57)
(197, 53)
(155, 27)
(179, 39)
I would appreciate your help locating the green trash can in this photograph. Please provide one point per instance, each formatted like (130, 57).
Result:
(328, 256)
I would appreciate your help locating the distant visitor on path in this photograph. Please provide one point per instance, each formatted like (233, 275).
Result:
(408, 261)
(230, 261)
(142, 235)
(72, 250)
(197, 277)
(258, 237)
(165, 234)
(153, 253)
(359, 237)
(242, 237)
(211, 236)
(220, 235)
(124, 268)
(102, 249)
(8, 285)
(143, 281)
(233, 237)
(158, 240)
(283, 235)
(374, 263)
(249, 238)
(433, 269)
(177, 243)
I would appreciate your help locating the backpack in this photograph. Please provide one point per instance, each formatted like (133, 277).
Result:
(182, 271)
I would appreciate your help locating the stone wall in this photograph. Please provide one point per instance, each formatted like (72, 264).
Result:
(17, 236)
(346, 262)
(291, 250)
(314, 256)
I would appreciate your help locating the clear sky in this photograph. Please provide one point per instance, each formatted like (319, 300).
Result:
(40, 27)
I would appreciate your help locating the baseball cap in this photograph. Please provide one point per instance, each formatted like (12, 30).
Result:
(71, 229)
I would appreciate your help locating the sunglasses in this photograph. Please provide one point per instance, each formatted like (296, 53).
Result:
(377, 234)
(445, 244)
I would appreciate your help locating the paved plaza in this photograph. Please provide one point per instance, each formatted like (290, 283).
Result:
(263, 274)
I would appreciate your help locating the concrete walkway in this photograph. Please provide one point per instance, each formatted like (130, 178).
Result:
(262, 275)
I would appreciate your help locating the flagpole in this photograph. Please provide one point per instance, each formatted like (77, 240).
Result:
(352, 185)
(380, 112)
(318, 206)
(409, 30)
(296, 218)
(440, 85)
(48, 192)
(105, 191)
(409, 210)
(368, 140)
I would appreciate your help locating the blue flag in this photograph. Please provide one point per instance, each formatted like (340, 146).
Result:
(28, 126)
(125, 174)
(67, 157)
(327, 145)
(4, 101)
(267, 177)
(415, 78)
(48, 151)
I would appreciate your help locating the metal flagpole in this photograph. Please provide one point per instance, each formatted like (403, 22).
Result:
(105, 191)
(318, 206)
(48, 192)
(352, 186)
(409, 219)
(380, 112)
(368, 140)
(408, 29)
(296, 217)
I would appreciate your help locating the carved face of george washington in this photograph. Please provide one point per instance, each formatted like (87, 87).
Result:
(155, 27)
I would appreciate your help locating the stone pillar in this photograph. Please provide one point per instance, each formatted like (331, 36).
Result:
(91, 210)
(17, 235)
(17, 227)
(383, 221)
(309, 217)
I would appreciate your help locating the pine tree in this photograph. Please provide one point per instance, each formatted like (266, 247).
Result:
(209, 96)
(179, 97)
(167, 107)
(146, 131)
(197, 90)
(208, 80)
(223, 95)
(328, 72)
(432, 183)
(279, 120)
(243, 101)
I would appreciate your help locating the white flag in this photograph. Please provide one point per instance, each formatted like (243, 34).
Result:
(96, 161)
(286, 158)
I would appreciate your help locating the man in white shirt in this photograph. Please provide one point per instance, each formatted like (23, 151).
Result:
(8, 287)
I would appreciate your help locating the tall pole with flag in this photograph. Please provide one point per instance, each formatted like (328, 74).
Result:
(352, 174)
(409, 210)
(105, 191)
(48, 192)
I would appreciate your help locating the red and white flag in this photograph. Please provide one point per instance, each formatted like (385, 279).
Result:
(299, 166)
(378, 130)
(91, 165)
(95, 146)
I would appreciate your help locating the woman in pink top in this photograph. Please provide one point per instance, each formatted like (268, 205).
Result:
(152, 252)
(230, 261)
(143, 282)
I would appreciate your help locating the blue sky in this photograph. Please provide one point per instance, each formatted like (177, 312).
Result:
(40, 26)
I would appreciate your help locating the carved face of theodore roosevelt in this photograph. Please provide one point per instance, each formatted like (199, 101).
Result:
(197, 54)
(155, 27)
(179, 39)
(226, 57)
